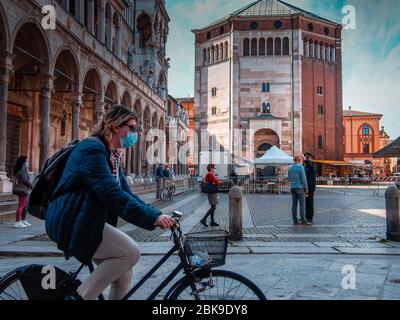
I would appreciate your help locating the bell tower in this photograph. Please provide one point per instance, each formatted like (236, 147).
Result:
(150, 39)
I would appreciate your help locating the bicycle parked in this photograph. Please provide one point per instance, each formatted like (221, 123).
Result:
(168, 190)
(199, 254)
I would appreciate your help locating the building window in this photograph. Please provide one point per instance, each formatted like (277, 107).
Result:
(246, 47)
(320, 109)
(278, 24)
(320, 142)
(266, 108)
(214, 111)
(226, 50)
(365, 130)
(261, 47)
(205, 56)
(270, 47)
(286, 46)
(266, 87)
(214, 92)
(278, 46)
(144, 27)
(253, 25)
(366, 148)
(320, 91)
(254, 47)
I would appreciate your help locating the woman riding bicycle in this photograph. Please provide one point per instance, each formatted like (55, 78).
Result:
(90, 196)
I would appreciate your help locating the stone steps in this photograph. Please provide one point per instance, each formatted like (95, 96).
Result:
(7, 216)
(8, 205)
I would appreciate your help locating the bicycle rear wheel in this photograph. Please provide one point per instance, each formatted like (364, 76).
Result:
(11, 287)
(217, 285)
(164, 194)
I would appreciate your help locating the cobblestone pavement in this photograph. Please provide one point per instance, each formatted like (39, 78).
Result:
(355, 218)
(281, 277)
(346, 221)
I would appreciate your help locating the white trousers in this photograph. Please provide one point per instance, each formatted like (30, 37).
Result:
(115, 258)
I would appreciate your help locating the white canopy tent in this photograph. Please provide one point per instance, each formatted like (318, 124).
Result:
(274, 157)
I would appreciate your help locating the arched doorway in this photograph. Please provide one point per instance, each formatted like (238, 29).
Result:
(92, 100)
(264, 140)
(111, 96)
(66, 102)
(31, 67)
(126, 100)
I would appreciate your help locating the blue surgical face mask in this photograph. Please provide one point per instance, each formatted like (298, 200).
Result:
(129, 141)
(27, 165)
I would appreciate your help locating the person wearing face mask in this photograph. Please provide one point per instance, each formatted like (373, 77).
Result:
(91, 195)
(24, 185)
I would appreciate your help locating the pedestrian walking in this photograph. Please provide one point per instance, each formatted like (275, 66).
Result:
(299, 189)
(311, 175)
(159, 180)
(21, 188)
(212, 184)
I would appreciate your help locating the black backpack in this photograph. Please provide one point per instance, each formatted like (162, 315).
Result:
(46, 182)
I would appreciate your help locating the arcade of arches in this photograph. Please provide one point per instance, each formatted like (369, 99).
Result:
(49, 97)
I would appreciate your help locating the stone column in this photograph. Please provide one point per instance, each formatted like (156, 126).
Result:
(81, 10)
(128, 161)
(235, 213)
(45, 99)
(117, 42)
(392, 214)
(146, 148)
(98, 111)
(91, 16)
(139, 154)
(101, 24)
(76, 104)
(5, 70)
(110, 34)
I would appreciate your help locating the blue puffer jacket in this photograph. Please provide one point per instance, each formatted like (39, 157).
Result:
(87, 197)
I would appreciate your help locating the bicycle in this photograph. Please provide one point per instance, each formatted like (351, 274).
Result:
(168, 190)
(200, 281)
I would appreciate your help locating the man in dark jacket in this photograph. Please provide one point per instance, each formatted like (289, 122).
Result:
(90, 196)
(159, 180)
(311, 175)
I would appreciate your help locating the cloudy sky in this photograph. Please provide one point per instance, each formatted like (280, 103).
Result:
(371, 52)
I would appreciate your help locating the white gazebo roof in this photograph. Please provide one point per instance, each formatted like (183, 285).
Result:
(274, 156)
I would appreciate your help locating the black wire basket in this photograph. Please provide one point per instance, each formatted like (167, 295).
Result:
(206, 249)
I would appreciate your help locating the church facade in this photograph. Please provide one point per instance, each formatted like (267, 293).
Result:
(269, 74)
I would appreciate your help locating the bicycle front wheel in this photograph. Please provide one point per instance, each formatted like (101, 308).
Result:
(11, 288)
(217, 285)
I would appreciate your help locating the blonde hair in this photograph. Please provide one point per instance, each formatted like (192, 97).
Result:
(116, 116)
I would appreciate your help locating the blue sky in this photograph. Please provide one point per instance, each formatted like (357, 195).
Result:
(371, 52)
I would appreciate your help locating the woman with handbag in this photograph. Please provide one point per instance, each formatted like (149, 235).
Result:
(21, 188)
(211, 188)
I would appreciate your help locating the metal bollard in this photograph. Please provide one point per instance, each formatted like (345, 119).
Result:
(392, 214)
(235, 213)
